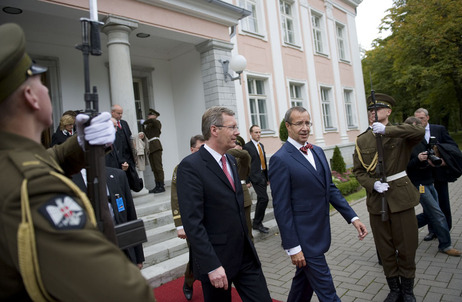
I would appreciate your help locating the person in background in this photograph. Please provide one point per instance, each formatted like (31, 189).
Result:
(152, 131)
(195, 143)
(50, 247)
(66, 130)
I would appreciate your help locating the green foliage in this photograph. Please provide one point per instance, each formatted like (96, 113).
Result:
(420, 63)
(348, 187)
(283, 134)
(338, 164)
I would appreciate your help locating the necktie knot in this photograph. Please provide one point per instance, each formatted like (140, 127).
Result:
(305, 148)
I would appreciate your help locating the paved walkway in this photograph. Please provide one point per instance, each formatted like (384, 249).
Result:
(353, 263)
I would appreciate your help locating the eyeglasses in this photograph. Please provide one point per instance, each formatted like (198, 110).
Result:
(233, 128)
(301, 124)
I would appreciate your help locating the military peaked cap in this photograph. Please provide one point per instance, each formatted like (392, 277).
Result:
(240, 141)
(383, 101)
(153, 112)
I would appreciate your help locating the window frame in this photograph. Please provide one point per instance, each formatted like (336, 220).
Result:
(294, 20)
(342, 40)
(349, 102)
(329, 104)
(259, 18)
(321, 30)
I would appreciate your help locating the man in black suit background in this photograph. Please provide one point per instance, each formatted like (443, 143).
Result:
(123, 145)
(120, 202)
(212, 211)
(439, 173)
(258, 176)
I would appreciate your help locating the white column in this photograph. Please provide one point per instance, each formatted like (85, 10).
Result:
(338, 90)
(120, 70)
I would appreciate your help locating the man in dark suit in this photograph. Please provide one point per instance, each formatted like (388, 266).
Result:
(302, 188)
(212, 211)
(123, 145)
(258, 176)
(120, 201)
(439, 173)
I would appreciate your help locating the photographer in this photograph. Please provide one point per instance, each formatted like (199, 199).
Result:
(419, 170)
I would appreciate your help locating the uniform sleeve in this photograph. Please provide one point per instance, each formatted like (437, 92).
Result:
(174, 201)
(76, 262)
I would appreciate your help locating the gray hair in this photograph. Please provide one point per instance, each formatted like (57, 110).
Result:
(287, 117)
(422, 110)
(213, 116)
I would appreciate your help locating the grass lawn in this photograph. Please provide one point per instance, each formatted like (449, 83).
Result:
(457, 137)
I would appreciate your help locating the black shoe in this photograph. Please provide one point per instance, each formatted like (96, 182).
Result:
(430, 236)
(188, 291)
(159, 189)
(261, 228)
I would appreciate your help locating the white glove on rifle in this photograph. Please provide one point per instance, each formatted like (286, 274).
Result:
(381, 186)
(378, 128)
(100, 131)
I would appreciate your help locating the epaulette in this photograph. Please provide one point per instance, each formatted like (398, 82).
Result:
(367, 130)
(31, 165)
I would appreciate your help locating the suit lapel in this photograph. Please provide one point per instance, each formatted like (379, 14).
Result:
(303, 161)
(213, 166)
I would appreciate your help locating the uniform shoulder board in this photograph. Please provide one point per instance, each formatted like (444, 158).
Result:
(367, 130)
(28, 164)
(63, 213)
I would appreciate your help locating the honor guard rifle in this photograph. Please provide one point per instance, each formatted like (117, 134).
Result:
(126, 234)
(380, 168)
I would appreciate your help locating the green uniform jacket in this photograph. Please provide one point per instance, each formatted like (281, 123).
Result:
(174, 201)
(152, 129)
(243, 168)
(76, 262)
(398, 143)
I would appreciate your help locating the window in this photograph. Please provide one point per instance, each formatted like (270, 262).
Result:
(349, 109)
(287, 21)
(258, 103)
(326, 107)
(296, 98)
(250, 23)
(316, 21)
(341, 42)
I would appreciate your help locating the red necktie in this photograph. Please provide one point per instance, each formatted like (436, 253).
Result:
(225, 169)
(118, 125)
(305, 148)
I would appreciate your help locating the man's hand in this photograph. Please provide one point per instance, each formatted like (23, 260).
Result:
(100, 131)
(181, 233)
(140, 265)
(125, 166)
(218, 278)
(298, 259)
(378, 128)
(381, 186)
(422, 156)
(362, 231)
(141, 135)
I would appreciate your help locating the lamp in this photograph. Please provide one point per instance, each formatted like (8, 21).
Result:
(237, 63)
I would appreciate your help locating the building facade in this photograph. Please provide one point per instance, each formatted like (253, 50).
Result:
(165, 54)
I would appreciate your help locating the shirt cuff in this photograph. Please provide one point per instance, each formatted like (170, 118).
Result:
(354, 218)
(179, 227)
(294, 250)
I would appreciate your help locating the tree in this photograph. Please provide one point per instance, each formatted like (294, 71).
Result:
(420, 63)
(338, 164)
(283, 134)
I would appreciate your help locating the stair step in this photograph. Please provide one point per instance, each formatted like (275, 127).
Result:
(165, 271)
(164, 250)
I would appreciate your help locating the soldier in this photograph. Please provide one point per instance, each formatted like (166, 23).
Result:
(50, 248)
(195, 143)
(396, 238)
(152, 127)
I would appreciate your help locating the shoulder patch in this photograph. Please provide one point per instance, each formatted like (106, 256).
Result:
(64, 213)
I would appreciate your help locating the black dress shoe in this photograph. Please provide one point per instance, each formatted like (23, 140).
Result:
(188, 291)
(261, 228)
(430, 237)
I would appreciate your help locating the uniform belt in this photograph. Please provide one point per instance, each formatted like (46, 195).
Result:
(242, 182)
(151, 139)
(396, 176)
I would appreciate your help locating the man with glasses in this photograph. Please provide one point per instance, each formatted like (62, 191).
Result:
(258, 176)
(212, 211)
(395, 238)
(302, 189)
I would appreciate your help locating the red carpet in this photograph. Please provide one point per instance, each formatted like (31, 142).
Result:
(173, 292)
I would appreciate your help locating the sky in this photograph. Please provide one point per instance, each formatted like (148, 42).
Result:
(369, 16)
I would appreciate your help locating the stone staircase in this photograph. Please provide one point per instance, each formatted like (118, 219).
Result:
(166, 254)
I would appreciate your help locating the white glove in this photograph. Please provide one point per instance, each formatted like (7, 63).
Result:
(100, 131)
(378, 128)
(381, 186)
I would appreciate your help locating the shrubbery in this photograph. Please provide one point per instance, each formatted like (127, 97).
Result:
(345, 182)
(283, 134)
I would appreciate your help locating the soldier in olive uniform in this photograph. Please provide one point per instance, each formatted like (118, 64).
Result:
(50, 248)
(195, 143)
(152, 127)
(396, 238)
(243, 168)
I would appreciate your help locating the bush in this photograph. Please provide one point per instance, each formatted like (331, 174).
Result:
(348, 187)
(283, 134)
(338, 164)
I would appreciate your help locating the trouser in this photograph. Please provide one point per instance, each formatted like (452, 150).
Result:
(443, 200)
(432, 215)
(396, 240)
(155, 160)
(262, 202)
(188, 274)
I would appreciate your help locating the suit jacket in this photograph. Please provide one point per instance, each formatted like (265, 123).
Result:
(117, 184)
(124, 144)
(442, 136)
(255, 165)
(213, 215)
(301, 198)
(59, 137)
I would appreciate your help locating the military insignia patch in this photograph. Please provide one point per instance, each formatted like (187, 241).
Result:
(64, 213)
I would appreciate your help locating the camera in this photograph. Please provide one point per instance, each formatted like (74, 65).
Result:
(435, 160)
